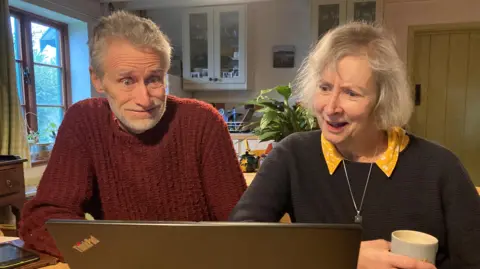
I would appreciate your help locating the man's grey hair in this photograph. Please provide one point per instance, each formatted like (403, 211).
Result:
(141, 32)
(394, 105)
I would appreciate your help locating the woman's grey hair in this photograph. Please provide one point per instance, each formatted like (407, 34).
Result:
(394, 103)
(141, 32)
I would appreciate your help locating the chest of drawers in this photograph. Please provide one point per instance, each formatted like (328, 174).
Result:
(12, 185)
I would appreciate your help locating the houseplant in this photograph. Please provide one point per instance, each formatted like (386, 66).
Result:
(280, 118)
(41, 142)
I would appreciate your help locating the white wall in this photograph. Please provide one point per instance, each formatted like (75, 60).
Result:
(85, 10)
(281, 22)
(79, 61)
(398, 16)
(170, 22)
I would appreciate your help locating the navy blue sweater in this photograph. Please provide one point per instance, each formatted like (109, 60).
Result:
(429, 191)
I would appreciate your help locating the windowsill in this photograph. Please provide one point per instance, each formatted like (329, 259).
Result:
(30, 191)
(39, 163)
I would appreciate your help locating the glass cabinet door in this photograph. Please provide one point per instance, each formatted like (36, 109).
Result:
(327, 14)
(229, 44)
(198, 46)
(361, 10)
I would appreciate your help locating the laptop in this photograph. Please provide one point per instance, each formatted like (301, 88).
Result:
(205, 245)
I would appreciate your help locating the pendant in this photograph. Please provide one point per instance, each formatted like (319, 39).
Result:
(358, 219)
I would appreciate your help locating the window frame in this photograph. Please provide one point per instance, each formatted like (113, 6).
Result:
(30, 103)
(29, 93)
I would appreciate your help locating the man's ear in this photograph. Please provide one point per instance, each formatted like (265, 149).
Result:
(96, 81)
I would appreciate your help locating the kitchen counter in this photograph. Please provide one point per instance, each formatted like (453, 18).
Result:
(243, 136)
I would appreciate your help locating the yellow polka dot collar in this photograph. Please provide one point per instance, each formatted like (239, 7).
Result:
(397, 142)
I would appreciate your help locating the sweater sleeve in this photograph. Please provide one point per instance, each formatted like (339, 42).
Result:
(63, 190)
(462, 212)
(222, 177)
(267, 198)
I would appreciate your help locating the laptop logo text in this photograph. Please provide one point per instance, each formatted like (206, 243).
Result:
(86, 244)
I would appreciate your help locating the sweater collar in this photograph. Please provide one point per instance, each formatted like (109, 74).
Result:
(397, 142)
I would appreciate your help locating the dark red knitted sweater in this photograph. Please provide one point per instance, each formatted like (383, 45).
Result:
(184, 169)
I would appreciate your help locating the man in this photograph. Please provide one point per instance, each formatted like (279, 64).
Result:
(138, 154)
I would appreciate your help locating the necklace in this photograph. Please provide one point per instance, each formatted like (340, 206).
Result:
(358, 217)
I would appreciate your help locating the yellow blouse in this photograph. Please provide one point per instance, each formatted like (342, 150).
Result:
(397, 142)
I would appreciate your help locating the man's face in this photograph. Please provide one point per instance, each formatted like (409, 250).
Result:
(134, 84)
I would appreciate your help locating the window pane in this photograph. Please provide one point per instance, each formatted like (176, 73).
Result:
(19, 72)
(48, 85)
(49, 119)
(15, 26)
(45, 44)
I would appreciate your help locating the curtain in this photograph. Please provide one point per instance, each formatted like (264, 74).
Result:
(13, 136)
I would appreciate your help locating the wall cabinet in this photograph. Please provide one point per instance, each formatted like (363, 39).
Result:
(214, 48)
(327, 14)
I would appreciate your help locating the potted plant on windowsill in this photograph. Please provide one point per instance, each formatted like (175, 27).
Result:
(41, 142)
(280, 118)
(49, 135)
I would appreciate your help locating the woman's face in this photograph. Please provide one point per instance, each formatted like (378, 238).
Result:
(345, 99)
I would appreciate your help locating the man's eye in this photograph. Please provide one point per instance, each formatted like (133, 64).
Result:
(127, 81)
(155, 80)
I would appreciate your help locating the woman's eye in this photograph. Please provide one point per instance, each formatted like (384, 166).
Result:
(127, 81)
(324, 88)
(351, 93)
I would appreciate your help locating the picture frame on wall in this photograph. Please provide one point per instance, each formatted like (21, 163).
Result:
(284, 56)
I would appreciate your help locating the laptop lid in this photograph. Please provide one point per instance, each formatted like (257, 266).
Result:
(202, 245)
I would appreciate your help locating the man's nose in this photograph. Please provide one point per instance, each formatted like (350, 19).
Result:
(142, 96)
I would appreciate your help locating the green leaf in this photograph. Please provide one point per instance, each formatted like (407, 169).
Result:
(263, 92)
(284, 91)
(252, 102)
(267, 136)
(264, 110)
(268, 104)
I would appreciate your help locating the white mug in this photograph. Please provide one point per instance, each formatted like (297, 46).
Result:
(415, 244)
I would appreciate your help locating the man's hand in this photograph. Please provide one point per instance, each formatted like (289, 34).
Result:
(376, 255)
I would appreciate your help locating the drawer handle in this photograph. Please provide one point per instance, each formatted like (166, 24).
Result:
(9, 183)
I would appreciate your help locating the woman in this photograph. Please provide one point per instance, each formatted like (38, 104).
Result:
(362, 167)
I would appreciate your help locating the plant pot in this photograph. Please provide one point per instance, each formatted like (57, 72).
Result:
(44, 150)
(32, 146)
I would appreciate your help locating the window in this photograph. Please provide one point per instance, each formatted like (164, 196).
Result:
(40, 62)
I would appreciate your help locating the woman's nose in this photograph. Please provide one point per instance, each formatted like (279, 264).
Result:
(332, 106)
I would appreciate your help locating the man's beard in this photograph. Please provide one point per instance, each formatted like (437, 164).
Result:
(141, 125)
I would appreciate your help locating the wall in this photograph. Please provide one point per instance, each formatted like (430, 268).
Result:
(281, 22)
(399, 15)
(85, 10)
(79, 61)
